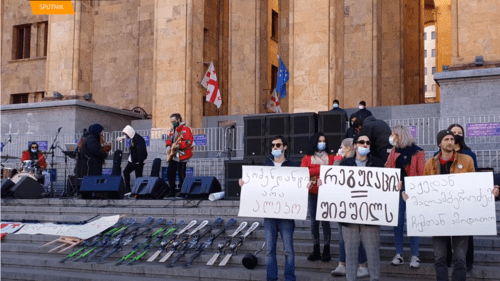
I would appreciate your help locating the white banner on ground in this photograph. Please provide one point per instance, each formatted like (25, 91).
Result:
(10, 227)
(362, 195)
(79, 231)
(274, 192)
(450, 205)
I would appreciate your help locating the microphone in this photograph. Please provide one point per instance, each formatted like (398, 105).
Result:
(10, 138)
(59, 130)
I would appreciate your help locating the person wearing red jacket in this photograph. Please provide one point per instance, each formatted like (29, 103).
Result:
(35, 155)
(180, 145)
(316, 156)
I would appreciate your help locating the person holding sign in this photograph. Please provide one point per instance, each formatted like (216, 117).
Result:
(410, 158)
(448, 161)
(316, 156)
(354, 233)
(285, 226)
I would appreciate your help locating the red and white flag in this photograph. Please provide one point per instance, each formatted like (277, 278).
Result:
(212, 86)
(273, 104)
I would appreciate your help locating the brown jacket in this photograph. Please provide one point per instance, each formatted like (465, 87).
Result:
(461, 164)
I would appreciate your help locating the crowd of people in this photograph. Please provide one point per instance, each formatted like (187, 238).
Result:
(372, 143)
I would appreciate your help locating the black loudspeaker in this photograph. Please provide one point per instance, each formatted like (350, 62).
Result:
(117, 162)
(233, 168)
(255, 126)
(298, 145)
(199, 187)
(334, 141)
(155, 169)
(303, 123)
(232, 189)
(149, 187)
(102, 187)
(7, 184)
(255, 147)
(27, 188)
(278, 124)
(331, 122)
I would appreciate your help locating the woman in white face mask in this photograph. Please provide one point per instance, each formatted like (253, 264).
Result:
(410, 158)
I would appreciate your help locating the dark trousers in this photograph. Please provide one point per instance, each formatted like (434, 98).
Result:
(469, 257)
(459, 244)
(173, 167)
(126, 173)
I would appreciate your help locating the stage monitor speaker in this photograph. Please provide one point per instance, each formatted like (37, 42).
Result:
(278, 124)
(232, 189)
(334, 142)
(303, 123)
(102, 187)
(27, 188)
(232, 168)
(255, 126)
(199, 187)
(331, 122)
(255, 147)
(149, 187)
(156, 167)
(298, 145)
(7, 184)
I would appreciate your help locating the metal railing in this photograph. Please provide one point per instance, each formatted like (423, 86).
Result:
(426, 128)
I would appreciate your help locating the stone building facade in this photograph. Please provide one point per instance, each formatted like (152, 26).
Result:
(153, 54)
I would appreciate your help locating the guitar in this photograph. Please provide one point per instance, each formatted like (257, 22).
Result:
(174, 146)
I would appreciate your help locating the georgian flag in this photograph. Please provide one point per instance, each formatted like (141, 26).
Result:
(273, 104)
(212, 86)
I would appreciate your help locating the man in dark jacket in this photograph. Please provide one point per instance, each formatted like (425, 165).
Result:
(363, 112)
(137, 157)
(379, 132)
(336, 109)
(351, 133)
(91, 155)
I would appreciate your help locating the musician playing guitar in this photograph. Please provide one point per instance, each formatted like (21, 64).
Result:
(179, 150)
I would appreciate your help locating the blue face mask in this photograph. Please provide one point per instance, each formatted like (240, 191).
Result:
(321, 146)
(363, 151)
(34, 150)
(335, 105)
(277, 153)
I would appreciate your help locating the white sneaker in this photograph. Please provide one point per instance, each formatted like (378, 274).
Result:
(362, 272)
(397, 260)
(339, 271)
(414, 262)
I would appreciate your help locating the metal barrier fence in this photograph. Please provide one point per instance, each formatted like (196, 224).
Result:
(423, 129)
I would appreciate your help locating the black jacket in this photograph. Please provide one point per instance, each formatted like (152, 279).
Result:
(364, 113)
(138, 150)
(351, 133)
(379, 132)
(288, 163)
(372, 162)
(340, 111)
(91, 157)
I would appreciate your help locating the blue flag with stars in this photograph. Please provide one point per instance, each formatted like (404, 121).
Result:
(282, 79)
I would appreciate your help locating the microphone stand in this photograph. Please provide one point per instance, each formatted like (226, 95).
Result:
(52, 148)
(65, 192)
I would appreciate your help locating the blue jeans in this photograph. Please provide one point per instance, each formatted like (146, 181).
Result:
(286, 228)
(361, 254)
(459, 244)
(398, 232)
(327, 231)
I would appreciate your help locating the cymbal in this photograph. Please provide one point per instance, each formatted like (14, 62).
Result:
(45, 152)
(9, 157)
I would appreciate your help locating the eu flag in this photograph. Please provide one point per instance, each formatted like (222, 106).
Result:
(282, 79)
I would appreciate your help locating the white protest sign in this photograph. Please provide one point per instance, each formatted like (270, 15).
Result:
(450, 205)
(274, 192)
(79, 231)
(362, 195)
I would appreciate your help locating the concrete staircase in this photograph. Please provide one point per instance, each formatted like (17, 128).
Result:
(22, 259)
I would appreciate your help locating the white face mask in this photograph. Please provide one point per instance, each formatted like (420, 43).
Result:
(391, 141)
(277, 153)
(361, 107)
(335, 105)
(363, 151)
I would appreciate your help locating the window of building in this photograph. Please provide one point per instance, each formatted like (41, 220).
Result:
(433, 53)
(22, 41)
(433, 35)
(275, 27)
(433, 70)
(19, 98)
(425, 70)
(274, 76)
(425, 53)
(42, 39)
(426, 88)
(425, 35)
